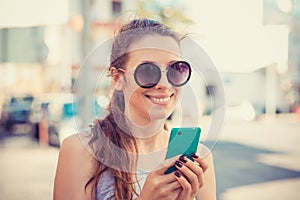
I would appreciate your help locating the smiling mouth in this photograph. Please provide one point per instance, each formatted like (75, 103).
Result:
(160, 100)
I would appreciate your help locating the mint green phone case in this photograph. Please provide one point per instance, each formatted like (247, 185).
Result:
(182, 141)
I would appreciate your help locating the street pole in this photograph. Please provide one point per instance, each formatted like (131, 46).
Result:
(85, 106)
(270, 98)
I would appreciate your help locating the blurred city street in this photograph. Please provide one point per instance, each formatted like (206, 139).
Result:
(253, 160)
(259, 159)
(244, 57)
(26, 169)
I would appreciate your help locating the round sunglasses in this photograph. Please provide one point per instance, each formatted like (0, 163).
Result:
(148, 75)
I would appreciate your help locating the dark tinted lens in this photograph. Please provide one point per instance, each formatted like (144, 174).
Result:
(147, 75)
(179, 73)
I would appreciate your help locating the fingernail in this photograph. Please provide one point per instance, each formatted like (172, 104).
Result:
(177, 174)
(183, 159)
(179, 164)
(194, 155)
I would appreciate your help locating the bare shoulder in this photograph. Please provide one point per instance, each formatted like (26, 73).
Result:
(77, 145)
(76, 165)
(72, 142)
(208, 191)
(205, 153)
(75, 151)
(72, 147)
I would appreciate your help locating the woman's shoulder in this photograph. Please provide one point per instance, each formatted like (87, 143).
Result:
(73, 153)
(74, 140)
(208, 191)
(204, 152)
(77, 144)
(76, 165)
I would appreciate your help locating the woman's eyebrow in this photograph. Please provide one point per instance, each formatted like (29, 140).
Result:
(148, 61)
(153, 62)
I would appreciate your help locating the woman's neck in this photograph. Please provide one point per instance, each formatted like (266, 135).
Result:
(152, 144)
(152, 150)
(150, 138)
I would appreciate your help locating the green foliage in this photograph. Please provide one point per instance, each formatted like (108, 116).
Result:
(171, 13)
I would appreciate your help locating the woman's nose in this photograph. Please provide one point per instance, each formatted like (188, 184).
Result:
(163, 82)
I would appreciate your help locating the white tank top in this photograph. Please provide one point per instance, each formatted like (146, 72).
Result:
(106, 184)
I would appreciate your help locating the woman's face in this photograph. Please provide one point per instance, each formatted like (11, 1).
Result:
(145, 105)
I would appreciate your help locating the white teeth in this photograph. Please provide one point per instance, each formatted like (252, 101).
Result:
(160, 100)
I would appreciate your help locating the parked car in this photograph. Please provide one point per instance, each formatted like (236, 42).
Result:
(64, 115)
(27, 114)
(39, 112)
(48, 111)
(15, 115)
(59, 111)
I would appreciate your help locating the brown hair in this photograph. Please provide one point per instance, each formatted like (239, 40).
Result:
(109, 127)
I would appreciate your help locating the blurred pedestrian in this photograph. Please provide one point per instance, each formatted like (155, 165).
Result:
(122, 156)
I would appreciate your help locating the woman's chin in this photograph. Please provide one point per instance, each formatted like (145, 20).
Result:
(157, 112)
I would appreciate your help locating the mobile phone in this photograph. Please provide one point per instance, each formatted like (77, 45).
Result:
(182, 141)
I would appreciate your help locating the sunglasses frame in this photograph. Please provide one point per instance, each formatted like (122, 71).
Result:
(176, 85)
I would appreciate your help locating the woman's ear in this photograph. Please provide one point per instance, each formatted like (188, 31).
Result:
(117, 78)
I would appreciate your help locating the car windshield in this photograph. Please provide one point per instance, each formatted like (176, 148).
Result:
(20, 103)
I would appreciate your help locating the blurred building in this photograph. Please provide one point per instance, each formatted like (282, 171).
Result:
(33, 53)
(43, 47)
(287, 12)
(250, 43)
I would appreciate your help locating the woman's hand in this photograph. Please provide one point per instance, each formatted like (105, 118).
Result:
(161, 186)
(190, 175)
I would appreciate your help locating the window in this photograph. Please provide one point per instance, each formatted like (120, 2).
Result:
(116, 7)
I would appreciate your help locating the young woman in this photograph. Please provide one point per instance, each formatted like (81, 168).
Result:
(122, 156)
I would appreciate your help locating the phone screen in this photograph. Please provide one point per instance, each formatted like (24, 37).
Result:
(182, 141)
